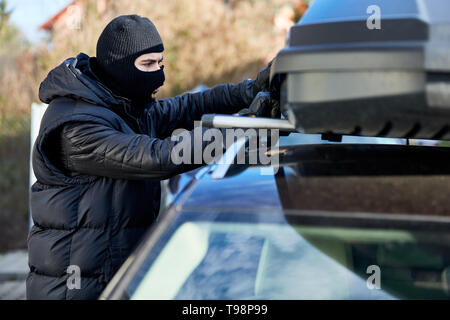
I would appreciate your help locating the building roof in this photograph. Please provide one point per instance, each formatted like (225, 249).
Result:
(48, 25)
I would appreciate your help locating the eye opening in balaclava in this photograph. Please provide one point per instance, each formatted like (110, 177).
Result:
(122, 41)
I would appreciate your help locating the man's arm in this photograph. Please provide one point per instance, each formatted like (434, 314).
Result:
(99, 150)
(181, 111)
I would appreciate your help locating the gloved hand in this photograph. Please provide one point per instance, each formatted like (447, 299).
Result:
(262, 80)
(263, 105)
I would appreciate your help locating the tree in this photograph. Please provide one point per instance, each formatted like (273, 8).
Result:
(4, 14)
(11, 40)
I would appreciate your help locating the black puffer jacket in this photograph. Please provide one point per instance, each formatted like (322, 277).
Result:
(98, 164)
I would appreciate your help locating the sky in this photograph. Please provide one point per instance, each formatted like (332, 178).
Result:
(28, 15)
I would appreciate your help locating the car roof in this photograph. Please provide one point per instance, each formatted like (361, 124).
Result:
(336, 181)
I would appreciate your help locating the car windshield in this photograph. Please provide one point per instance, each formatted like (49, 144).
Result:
(276, 256)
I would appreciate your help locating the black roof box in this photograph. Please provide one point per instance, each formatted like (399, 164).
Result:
(348, 72)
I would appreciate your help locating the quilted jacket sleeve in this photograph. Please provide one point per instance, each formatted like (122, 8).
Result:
(181, 111)
(95, 149)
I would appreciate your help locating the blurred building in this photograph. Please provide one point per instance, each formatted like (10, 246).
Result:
(69, 18)
(289, 14)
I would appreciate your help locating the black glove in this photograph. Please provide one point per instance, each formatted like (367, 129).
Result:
(262, 80)
(262, 106)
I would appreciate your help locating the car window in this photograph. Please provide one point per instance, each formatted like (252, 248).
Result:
(276, 260)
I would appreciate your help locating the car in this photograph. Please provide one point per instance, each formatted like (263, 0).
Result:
(317, 229)
(346, 212)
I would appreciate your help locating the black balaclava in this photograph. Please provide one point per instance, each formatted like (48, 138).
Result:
(123, 40)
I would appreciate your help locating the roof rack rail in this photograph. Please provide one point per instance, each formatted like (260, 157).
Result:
(229, 121)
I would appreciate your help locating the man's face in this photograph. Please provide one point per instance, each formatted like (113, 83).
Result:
(149, 62)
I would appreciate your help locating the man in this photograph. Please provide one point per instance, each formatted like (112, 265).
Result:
(103, 146)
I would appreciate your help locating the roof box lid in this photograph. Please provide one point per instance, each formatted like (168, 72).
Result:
(388, 23)
(359, 66)
(329, 21)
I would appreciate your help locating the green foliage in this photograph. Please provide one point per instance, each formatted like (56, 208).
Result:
(14, 179)
(4, 14)
(11, 40)
(14, 137)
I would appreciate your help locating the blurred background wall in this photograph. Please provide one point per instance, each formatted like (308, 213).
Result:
(207, 42)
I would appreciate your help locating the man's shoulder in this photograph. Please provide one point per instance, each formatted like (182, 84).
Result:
(65, 110)
(67, 106)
